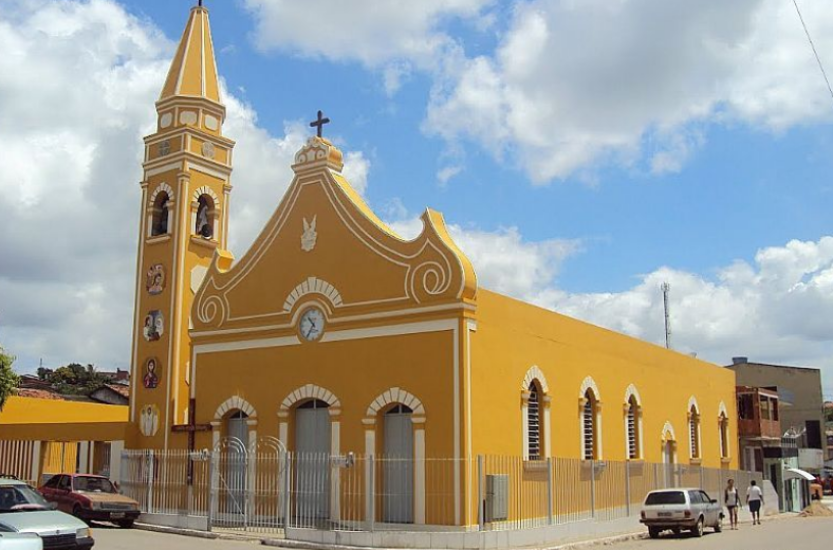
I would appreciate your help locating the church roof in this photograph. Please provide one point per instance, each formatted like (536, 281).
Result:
(193, 72)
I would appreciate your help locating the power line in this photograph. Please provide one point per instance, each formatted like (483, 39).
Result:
(816, 53)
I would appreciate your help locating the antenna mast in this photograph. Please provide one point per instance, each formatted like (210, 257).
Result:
(666, 288)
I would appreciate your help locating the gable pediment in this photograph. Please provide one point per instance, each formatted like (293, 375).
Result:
(324, 244)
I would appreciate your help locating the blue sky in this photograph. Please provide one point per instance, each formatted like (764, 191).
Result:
(745, 189)
(583, 153)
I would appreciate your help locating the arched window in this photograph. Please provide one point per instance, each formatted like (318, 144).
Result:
(723, 426)
(632, 428)
(205, 217)
(694, 431)
(589, 426)
(533, 417)
(159, 224)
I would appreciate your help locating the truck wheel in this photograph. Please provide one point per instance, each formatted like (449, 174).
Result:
(653, 532)
(125, 523)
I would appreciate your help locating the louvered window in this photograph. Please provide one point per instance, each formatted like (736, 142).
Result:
(533, 415)
(693, 433)
(724, 438)
(589, 426)
(633, 444)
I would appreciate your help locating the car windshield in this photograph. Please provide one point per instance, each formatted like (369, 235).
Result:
(83, 484)
(17, 498)
(665, 497)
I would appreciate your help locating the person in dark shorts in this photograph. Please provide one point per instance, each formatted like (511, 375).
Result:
(755, 499)
(731, 499)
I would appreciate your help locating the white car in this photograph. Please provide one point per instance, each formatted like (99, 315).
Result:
(679, 509)
(20, 541)
(24, 511)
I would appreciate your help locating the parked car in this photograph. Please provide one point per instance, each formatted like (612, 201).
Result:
(90, 498)
(24, 511)
(678, 509)
(20, 541)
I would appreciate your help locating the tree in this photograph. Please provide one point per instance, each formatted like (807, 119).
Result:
(76, 379)
(8, 378)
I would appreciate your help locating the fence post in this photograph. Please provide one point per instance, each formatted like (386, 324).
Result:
(593, 488)
(151, 469)
(370, 493)
(627, 488)
(287, 493)
(481, 520)
(549, 491)
(213, 489)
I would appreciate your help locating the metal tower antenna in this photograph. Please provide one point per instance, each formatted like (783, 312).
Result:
(666, 288)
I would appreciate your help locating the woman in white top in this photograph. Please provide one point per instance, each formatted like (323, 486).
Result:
(755, 499)
(731, 499)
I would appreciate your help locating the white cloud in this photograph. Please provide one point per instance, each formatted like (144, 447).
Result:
(392, 33)
(574, 84)
(69, 192)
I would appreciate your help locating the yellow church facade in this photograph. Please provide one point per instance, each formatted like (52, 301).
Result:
(334, 335)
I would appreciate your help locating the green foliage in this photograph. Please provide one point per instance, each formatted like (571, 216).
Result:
(75, 379)
(8, 378)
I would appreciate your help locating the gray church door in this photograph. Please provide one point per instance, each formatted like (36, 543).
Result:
(312, 445)
(238, 429)
(398, 466)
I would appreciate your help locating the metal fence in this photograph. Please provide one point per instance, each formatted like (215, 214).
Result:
(265, 489)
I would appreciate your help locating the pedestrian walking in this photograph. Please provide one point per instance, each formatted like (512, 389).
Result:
(731, 499)
(755, 499)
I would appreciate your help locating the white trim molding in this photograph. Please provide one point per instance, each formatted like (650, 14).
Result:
(205, 190)
(161, 188)
(310, 391)
(692, 402)
(721, 410)
(535, 373)
(668, 429)
(393, 396)
(235, 403)
(589, 384)
(310, 286)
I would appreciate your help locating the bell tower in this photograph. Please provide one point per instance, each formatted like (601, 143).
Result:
(184, 219)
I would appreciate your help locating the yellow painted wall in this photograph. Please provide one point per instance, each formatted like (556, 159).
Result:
(356, 372)
(25, 418)
(512, 336)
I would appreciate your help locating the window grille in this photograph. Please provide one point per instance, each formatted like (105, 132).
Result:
(695, 440)
(533, 414)
(724, 440)
(589, 425)
(633, 448)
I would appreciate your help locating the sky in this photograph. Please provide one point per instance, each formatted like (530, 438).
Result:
(582, 152)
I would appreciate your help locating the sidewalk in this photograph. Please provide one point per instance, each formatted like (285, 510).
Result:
(276, 540)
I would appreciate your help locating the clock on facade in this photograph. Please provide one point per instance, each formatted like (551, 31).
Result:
(311, 326)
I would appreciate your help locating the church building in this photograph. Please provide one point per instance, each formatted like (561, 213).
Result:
(332, 334)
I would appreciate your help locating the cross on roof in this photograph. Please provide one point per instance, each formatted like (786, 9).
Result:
(319, 124)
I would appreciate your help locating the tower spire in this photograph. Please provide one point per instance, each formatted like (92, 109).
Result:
(193, 72)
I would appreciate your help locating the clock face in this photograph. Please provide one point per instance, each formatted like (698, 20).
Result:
(311, 326)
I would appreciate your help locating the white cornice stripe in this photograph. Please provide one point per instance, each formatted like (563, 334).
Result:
(394, 330)
(338, 320)
(162, 169)
(335, 336)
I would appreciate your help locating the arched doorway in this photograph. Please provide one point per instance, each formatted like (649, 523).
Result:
(312, 452)
(235, 458)
(398, 465)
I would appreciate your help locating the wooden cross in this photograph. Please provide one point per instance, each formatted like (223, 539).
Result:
(319, 124)
(191, 428)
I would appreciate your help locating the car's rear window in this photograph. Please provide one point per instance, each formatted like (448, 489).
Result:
(665, 497)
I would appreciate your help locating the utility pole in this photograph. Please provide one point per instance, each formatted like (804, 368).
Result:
(666, 288)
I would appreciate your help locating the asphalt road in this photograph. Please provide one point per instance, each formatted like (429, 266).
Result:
(804, 533)
(795, 532)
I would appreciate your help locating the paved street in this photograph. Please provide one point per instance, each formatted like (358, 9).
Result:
(813, 534)
(804, 533)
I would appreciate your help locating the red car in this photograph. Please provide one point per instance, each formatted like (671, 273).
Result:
(89, 498)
